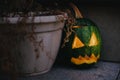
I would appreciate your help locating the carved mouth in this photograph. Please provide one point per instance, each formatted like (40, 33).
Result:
(86, 59)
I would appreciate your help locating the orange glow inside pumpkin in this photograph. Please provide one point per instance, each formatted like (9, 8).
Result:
(86, 59)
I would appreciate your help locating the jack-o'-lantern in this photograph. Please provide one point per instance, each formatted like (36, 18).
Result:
(83, 43)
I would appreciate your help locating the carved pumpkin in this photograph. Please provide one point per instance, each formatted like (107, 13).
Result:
(82, 43)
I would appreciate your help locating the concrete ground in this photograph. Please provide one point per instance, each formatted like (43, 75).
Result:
(100, 71)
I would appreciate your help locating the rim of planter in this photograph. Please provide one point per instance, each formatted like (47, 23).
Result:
(34, 19)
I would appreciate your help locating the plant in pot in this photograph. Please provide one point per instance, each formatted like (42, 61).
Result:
(30, 34)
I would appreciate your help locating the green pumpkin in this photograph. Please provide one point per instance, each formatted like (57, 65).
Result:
(83, 42)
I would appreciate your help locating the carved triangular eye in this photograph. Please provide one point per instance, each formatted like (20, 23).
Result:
(93, 40)
(77, 43)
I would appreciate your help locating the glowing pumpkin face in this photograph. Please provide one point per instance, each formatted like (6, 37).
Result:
(84, 43)
(77, 44)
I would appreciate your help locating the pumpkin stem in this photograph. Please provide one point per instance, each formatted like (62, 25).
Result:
(77, 11)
